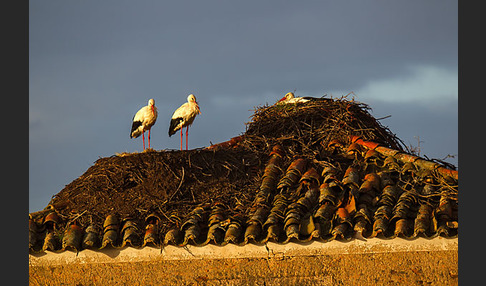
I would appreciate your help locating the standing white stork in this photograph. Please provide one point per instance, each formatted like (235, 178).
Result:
(184, 116)
(143, 120)
(290, 98)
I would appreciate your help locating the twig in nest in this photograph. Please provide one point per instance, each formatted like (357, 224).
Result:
(384, 117)
(163, 213)
(169, 168)
(76, 217)
(180, 184)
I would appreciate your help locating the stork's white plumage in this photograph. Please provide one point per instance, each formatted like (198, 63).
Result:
(184, 116)
(143, 120)
(290, 98)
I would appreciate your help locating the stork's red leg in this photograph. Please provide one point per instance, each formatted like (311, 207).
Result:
(143, 139)
(149, 138)
(181, 139)
(187, 135)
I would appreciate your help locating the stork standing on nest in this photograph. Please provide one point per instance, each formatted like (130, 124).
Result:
(143, 120)
(290, 98)
(184, 116)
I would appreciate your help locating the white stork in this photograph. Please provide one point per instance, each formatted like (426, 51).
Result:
(290, 98)
(184, 116)
(143, 120)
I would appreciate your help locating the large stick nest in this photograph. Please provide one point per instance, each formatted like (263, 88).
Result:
(304, 127)
(172, 183)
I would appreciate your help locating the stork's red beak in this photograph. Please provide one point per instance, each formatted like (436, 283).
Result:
(282, 99)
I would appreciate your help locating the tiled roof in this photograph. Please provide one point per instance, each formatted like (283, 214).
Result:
(374, 191)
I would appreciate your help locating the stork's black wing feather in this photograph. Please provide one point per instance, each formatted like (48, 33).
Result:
(173, 124)
(135, 125)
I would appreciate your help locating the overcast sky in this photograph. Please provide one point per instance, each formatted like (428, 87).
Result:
(93, 64)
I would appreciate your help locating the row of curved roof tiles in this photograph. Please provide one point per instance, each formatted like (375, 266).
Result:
(401, 195)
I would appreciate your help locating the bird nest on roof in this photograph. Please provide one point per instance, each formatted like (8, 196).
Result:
(303, 127)
(172, 183)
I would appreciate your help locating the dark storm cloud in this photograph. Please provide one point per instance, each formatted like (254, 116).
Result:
(93, 64)
(231, 47)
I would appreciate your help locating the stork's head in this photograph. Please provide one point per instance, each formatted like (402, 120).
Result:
(151, 103)
(288, 96)
(192, 98)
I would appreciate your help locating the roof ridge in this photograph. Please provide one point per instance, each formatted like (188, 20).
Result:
(406, 157)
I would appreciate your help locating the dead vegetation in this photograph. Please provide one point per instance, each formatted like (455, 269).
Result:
(304, 128)
(132, 187)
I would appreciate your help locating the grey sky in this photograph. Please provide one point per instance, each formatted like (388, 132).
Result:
(93, 64)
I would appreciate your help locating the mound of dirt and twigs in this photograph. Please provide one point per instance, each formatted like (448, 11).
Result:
(171, 183)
